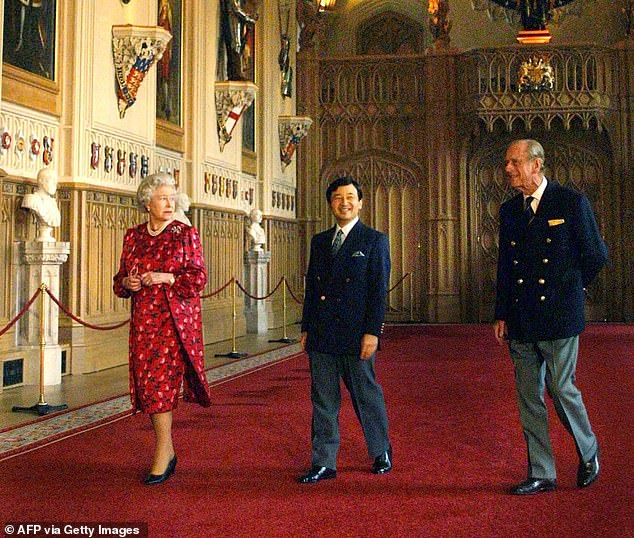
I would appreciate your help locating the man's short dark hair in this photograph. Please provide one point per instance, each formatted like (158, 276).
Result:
(340, 182)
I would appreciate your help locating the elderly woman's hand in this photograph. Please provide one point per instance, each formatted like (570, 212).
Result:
(151, 278)
(132, 282)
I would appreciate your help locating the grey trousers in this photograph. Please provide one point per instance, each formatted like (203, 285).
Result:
(552, 363)
(358, 375)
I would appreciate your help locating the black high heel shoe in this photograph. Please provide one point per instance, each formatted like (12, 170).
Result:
(152, 479)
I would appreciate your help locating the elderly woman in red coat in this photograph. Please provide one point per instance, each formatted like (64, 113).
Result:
(162, 269)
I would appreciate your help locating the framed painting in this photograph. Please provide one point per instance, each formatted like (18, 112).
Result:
(29, 36)
(168, 79)
(248, 117)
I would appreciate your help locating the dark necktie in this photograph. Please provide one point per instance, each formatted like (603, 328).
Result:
(336, 244)
(528, 209)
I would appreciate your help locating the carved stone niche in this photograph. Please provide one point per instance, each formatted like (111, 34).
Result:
(134, 50)
(291, 131)
(232, 99)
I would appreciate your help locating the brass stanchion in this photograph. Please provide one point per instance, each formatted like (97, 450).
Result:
(41, 407)
(233, 354)
(411, 297)
(285, 339)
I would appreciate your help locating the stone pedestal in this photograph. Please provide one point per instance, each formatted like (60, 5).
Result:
(40, 264)
(255, 273)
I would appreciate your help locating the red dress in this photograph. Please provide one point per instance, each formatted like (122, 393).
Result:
(166, 345)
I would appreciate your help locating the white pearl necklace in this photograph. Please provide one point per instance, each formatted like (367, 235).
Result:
(154, 233)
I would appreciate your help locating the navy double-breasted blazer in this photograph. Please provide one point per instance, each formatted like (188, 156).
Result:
(544, 265)
(346, 295)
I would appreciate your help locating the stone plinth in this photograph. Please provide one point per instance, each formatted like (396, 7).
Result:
(255, 274)
(40, 263)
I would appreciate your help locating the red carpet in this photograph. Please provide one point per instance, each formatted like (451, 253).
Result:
(457, 448)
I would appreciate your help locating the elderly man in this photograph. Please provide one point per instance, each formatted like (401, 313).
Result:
(550, 250)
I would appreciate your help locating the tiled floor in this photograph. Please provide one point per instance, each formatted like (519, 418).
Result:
(81, 390)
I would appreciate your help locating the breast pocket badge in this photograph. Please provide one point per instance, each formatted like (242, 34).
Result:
(555, 222)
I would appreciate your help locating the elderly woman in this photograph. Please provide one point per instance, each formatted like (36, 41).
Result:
(163, 271)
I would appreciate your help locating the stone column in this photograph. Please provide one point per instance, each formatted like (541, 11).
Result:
(40, 264)
(255, 272)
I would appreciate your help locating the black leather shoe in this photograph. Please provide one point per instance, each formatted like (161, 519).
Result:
(534, 485)
(152, 479)
(383, 463)
(588, 471)
(316, 474)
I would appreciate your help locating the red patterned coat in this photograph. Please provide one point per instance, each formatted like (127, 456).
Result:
(166, 342)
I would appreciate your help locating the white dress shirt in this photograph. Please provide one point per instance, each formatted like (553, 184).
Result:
(346, 230)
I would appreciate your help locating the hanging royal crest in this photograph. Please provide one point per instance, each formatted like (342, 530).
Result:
(145, 164)
(133, 164)
(94, 155)
(291, 130)
(232, 99)
(47, 154)
(135, 49)
(121, 161)
(108, 152)
(536, 74)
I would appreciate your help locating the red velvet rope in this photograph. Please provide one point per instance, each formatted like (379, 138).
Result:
(259, 298)
(82, 322)
(291, 292)
(395, 285)
(22, 312)
(118, 325)
(217, 291)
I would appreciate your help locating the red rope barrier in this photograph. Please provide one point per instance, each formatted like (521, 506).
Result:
(259, 298)
(217, 291)
(82, 322)
(401, 280)
(22, 312)
(66, 311)
(291, 292)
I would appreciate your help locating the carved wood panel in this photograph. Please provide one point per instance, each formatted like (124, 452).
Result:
(222, 241)
(108, 218)
(283, 242)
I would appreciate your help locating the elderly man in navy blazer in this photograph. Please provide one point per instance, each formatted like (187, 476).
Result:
(344, 307)
(550, 250)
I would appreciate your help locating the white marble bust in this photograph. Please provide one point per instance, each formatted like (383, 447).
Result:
(42, 202)
(181, 206)
(256, 232)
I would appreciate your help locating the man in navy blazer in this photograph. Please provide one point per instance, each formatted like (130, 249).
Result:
(550, 250)
(344, 307)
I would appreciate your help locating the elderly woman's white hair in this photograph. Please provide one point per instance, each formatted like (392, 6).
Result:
(148, 186)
